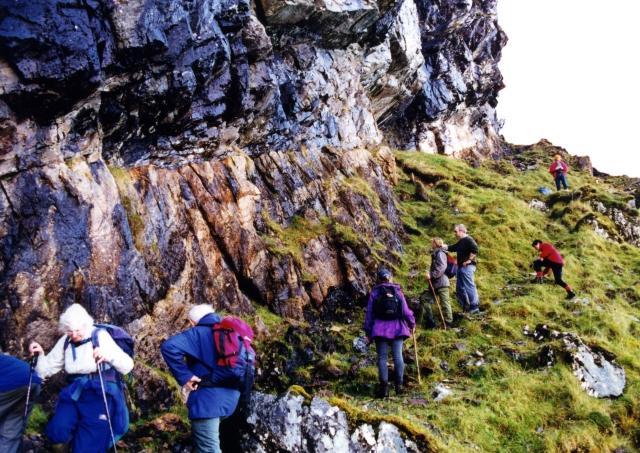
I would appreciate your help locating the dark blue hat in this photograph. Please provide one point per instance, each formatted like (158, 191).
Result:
(384, 275)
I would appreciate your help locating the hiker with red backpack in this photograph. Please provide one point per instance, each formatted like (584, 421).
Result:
(218, 366)
(388, 323)
(438, 284)
(91, 413)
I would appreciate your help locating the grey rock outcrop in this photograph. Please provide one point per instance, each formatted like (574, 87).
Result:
(286, 424)
(627, 227)
(599, 375)
(595, 368)
(454, 112)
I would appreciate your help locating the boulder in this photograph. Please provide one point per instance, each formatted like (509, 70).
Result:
(286, 423)
(153, 394)
(538, 205)
(599, 375)
(440, 392)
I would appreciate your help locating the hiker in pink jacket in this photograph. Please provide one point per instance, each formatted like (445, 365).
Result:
(559, 169)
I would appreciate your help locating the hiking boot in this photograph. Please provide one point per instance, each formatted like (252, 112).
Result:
(399, 390)
(429, 323)
(571, 294)
(383, 390)
(537, 280)
(474, 311)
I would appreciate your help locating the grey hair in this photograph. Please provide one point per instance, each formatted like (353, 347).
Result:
(461, 227)
(74, 318)
(197, 312)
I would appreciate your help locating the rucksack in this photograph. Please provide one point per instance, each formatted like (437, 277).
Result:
(236, 357)
(121, 338)
(387, 306)
(452, 267)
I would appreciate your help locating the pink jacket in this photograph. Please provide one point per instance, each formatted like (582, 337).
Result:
(552, 168)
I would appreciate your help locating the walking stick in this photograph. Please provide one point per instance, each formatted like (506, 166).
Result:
(106, 408)
(32, 366)
(444, 323)
(415, 349)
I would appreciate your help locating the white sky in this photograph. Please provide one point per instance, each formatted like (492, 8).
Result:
(572, 75)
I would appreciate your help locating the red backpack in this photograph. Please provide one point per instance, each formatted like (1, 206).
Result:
(236, 357)
(452, 267)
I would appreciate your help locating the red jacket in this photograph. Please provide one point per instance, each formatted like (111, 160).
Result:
(552, 168)
(549, 251)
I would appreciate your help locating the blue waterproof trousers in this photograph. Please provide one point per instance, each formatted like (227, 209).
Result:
(561, 179)
(466, 288)
(206, 434)
(84, 422)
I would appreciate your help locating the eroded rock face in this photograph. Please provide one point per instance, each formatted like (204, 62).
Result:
(454, 112)
(156, 154)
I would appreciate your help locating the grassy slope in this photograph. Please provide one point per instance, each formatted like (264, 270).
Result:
(505, 406)
(515, 401)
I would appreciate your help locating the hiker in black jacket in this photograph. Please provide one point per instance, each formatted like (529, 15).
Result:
(466, 249)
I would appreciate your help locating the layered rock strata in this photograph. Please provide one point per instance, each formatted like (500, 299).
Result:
(155, 154)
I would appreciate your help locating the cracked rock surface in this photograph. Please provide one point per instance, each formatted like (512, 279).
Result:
(153, 152)
(285, 423)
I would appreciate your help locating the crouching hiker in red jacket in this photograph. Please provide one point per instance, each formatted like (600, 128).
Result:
(551, 260)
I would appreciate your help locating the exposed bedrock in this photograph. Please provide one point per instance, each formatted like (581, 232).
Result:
(454, 111)
(156, 153)
(287, 424)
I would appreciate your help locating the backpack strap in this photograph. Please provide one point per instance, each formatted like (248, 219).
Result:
(94, 337)
(226, 332)
(74, 345)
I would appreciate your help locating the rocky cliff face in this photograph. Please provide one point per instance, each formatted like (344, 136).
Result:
(453, 113)
(155, 153)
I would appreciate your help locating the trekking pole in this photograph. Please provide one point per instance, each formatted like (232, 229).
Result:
(106, 408)
(32, 367)
(435, 296)
(415, 349)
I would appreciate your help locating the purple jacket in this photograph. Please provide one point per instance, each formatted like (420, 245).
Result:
(388, 329)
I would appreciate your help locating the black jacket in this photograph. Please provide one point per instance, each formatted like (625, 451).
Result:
(464, 247)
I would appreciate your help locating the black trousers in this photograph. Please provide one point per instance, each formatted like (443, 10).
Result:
(12, 404)
(556, 268)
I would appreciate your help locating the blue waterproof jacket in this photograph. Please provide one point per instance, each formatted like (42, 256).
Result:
(197, 346)
(15, 373)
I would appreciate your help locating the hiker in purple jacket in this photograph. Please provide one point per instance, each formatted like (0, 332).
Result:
(388, 333)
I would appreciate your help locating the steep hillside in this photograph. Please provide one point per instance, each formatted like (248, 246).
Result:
(513, 381)
(508, 395)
